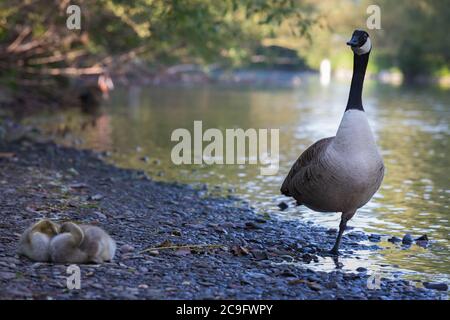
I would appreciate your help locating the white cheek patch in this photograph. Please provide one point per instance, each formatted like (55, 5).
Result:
(364, 48)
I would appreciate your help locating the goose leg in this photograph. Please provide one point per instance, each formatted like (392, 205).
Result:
(342, 225)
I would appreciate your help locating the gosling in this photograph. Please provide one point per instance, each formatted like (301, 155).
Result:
(35, 241)
(81, 244)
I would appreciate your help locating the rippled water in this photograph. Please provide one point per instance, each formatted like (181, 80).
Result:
(411, 126)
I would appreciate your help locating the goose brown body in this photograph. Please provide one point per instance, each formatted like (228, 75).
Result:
(327, 180)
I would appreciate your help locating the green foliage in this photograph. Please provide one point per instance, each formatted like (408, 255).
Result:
(36, 48)
(415, 35)
(38, 52)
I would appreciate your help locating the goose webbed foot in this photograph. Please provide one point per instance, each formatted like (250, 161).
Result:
(334, 252)
(342, 226)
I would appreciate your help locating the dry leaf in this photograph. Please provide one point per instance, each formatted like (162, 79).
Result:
(239, 251)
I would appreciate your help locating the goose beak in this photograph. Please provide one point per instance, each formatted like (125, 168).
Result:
(354, 41)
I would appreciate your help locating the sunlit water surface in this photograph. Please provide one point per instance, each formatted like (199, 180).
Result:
(411, 126)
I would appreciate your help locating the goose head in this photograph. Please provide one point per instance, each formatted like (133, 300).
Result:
(360, 42)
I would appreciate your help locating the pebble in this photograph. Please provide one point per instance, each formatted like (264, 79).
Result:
(422, 238)
(126, 248)
(407, 239)
(394, 239)
(251, 225)
(422, 243)
(78, 185)
(314, 286)
(259, 254)
(436, 286)
(96, 197)
(283, 205)
(100, 215)
(177, 233)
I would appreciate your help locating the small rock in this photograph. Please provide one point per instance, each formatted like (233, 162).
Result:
(375, 238)
(221, 230)
(283, 205)
(307, 258)
(287, 274)
(73, 171)
(100, 215)
(259, 254)
(239, 251)
(422, 238)
(251, 225)
(394, 239)
(78, 185)
(422, 243)
(436, 286)
(407, 239)
(97, 286)
(177, 233)
(153, 252)
(314, 286)
(260, 220)
(126, 248)
(361, 269)
(297, 281)
(96, 197)
(183, 252)
(309, 250)
(143, 269)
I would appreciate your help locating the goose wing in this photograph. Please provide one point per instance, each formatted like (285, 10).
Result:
(309, 157)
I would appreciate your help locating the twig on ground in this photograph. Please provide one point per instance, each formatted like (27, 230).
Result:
(193, 246)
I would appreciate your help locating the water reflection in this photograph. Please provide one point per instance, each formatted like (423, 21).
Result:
(411, 125)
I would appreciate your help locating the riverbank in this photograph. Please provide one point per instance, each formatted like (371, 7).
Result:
(187, 75)
(197, 247)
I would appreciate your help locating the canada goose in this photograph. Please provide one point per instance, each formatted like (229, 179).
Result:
(34, 242)
(341, 173)
(81, 244)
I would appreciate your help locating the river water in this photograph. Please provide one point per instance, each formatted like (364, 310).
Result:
(411, 126)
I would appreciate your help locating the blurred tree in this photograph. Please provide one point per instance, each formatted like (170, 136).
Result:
(415, 36)
(38, 50)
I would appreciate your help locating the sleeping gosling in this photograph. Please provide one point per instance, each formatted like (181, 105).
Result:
(81, 244)
(35, 241)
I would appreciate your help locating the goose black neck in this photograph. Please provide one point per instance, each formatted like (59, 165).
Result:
(359, 70)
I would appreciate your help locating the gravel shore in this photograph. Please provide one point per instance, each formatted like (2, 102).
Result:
(197, 247)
